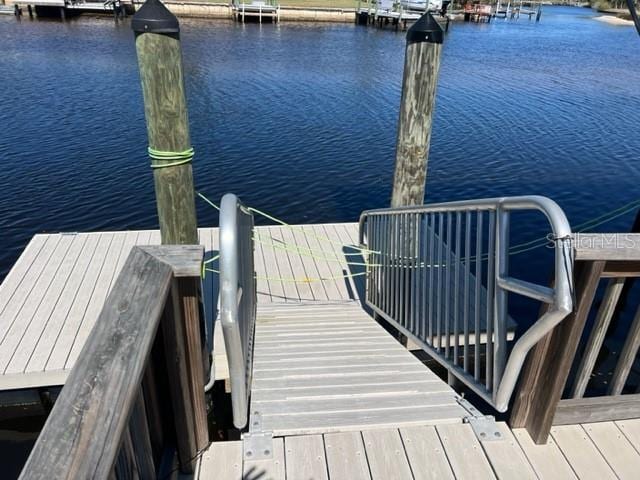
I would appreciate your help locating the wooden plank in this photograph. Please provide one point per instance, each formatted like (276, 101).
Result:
(323, 391)
(353, 403)
(305, 457)
(464, 452)
(362, 419)
(506, 457)
(284, 267)
(426, 454)
(615, 448)
(346, 457)
(631, 430)
(546, 459)
(276, 287)
(82, 435)
(305, 289)
(18, 273)
(329, 265)
(55, 360)
(607, 246)
(222, 461)
(185, 260)
(627, 357)
(581, 453)
(31, 322)
(375, 377)
(596, 337)
(187, 292)
(130, 239)
(141, 439)
(548, 364)
(310, 264)
(177, 367)
(263, 287)
(36, 282)
(97, 298)
(270, 469)
(333, 372)
(597, 409)
(386, 455)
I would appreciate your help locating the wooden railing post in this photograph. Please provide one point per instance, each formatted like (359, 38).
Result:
(108, 420)
(421, 66)
(547, 367)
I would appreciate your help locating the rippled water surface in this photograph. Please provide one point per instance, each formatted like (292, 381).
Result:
(300, 120)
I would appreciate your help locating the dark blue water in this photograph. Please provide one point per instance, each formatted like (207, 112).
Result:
(300, 119)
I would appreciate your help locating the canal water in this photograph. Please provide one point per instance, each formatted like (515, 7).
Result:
(300, 120)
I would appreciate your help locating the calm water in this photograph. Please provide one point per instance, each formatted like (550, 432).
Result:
(300, 120)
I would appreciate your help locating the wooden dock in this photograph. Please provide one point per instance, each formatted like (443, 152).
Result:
(52, 296)
(598, 451)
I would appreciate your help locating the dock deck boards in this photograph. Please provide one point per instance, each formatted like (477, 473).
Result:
(52, 296)
(437, 452)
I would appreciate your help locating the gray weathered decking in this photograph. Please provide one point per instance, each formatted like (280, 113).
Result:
(598, 451)
(52, 296)
(333, 368)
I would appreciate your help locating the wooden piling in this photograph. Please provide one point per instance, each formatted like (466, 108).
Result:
(160, 62)
(421, 66)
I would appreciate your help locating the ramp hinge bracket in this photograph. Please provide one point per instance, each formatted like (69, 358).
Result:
(257, 444)
(484, 426)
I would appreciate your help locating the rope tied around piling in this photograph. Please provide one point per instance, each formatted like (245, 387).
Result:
(174, 158)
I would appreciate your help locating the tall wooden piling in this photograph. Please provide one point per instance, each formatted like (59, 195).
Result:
(157, 34)
(421, 66)
(160, 62)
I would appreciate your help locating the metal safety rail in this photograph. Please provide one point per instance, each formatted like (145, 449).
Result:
(237, 300)
(425, 276)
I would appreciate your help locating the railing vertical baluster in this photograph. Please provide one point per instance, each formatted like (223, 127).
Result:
(478, 286)
(400, 270)
(467, 288)
(415, 274)
(490, 306)
(378, 258)
(406, 304)
(396, 254)
(501, 297)
(368, 280)
(387, 264)
(432, 257)
(447, 289)
(439, 283)
(424, 220)
(456, 288)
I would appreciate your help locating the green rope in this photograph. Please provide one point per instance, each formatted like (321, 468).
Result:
(174, 158)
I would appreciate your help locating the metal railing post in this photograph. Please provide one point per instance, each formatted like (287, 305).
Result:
(501, 296)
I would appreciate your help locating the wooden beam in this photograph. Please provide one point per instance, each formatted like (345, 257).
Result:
(607, 246)
(548, 364)
(627, 357)
(83, 433)
(596, 337)
(597, 409)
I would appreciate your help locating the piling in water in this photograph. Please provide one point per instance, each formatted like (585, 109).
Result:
(421, 66)
(160, 62)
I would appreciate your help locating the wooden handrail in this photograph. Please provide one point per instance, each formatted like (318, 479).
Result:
(107, 415)
(538, 402)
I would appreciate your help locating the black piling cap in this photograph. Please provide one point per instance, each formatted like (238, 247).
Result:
(154, 17)
(426, 29)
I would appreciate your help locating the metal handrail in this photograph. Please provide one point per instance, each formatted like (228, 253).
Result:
(413, 282)
(237, 300)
